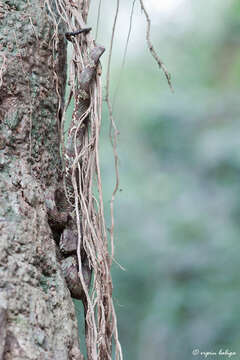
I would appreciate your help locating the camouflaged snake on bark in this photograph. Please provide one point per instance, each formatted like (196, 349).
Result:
(60, 204)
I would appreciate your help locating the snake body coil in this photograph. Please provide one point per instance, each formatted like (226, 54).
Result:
(60, 204)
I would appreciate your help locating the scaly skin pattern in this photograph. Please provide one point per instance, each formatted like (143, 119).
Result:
(60, 203)
(82, 103)
(65, 235)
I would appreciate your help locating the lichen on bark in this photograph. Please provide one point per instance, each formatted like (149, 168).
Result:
(37, 319)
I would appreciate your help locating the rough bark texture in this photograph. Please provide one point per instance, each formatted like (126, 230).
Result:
(37, 318)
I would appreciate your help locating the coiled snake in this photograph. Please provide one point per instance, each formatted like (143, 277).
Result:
(60, 203)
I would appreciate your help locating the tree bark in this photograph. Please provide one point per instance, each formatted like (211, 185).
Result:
(37, 317)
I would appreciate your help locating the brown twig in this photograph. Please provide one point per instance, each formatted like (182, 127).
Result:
(151, 48)
(113, 137)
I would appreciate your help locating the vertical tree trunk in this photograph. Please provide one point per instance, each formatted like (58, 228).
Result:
(37, 319)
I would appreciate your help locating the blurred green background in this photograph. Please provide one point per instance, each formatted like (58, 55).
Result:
(177, 216)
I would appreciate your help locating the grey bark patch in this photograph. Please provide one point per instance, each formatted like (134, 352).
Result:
(12, 118)
(12, 348)
(40, 321)
(3, 328)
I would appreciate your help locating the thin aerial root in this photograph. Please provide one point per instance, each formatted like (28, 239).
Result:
(113, 137)
(81, 167)
(98, 17)
(125, 53)
(151, 48)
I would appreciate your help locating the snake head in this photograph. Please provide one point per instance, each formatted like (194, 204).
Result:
(69, 268)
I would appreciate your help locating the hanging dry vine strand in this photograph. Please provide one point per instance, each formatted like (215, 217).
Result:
(113, 135)
(151, 48)
(98, 17)
(124, 54)
(80, 169)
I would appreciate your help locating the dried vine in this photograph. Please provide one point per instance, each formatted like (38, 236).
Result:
(81, 169)
(151, 48)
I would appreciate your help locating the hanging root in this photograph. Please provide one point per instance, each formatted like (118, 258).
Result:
(79, 148)
(151, 48)
(81, 171)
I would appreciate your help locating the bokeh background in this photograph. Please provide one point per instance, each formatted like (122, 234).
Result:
(177, 214)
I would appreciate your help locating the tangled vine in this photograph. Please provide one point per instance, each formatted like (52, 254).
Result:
(83, 242)
(85, 225)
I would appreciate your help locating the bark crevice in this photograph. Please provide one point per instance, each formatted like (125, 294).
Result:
(37, 316)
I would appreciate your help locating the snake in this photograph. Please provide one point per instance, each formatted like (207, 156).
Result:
(60, 202)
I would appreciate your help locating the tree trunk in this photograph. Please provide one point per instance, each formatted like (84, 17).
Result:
(37, 318)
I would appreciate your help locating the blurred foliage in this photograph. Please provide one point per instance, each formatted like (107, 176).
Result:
(178, 210)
